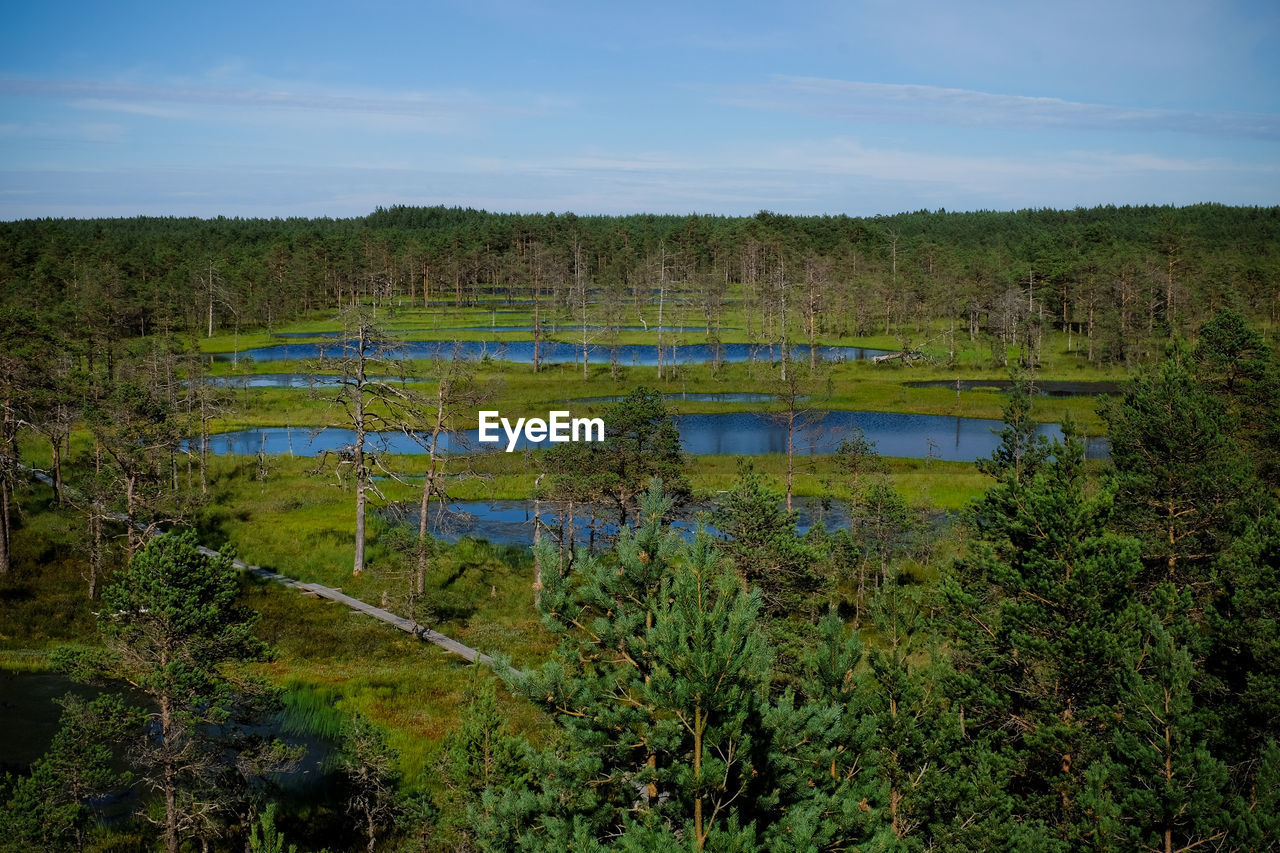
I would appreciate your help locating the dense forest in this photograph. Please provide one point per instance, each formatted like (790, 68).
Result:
(1115, 277)
(1087, 657)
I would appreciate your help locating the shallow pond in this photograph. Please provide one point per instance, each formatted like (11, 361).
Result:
(510, 522)
(552, 352)
(1042, 388)
(690, 396)
(30, 716)
(289, 380)
(740, 433)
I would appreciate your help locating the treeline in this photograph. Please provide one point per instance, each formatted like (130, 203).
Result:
(1116, 278)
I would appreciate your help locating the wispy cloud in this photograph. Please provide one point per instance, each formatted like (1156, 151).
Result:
(810, 176)
(124, 97)
(900, 102)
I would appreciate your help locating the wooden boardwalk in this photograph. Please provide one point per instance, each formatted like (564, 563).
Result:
(406, 625)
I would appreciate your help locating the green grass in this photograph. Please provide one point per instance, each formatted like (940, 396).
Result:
(43, 598)
(332, 659)
(303, 524)
(517, 391)
(411, 688)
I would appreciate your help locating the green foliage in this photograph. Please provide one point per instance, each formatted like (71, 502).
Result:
(1181, 479)
(48, 809)
(1247, 655)
(1235, 364)
(1040, 646)
(173, 618)
(657, 686)
(1172, 791)
(264, 837)
(1022, 448)
(641, 443)
(368, 763)
(855, 458)
(759, 538)
(173, 621)
(482, 753)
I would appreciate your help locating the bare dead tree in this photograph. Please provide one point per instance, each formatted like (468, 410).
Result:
(373, 399)
(795, 391)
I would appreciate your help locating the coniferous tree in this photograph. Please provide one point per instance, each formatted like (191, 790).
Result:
(1035, 616)
(1236, 365)
(760, 540)
(641, 442)
(172, 621)
(1172, 792)
(1181, 480)
(828, 793)
(658, 686)
(914, 731)
(369, 765)
(480, 754)
(48, 809)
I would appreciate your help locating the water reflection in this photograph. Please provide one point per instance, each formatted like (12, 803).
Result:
(290, 380)
(553, 352)
(740, 433)
(692, 397)
(510, 522)
(1041, 388)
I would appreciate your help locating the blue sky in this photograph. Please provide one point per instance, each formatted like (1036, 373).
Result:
(327, 109)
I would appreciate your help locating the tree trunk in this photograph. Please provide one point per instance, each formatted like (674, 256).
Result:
(171, 841)
(537, 537)
(8, 464)
(791, 451)
(699, 833)
(4, 522)
(428, 488)
(56, 445)
(362, 474)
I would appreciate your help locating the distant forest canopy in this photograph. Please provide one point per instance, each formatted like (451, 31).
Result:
(1115, 276)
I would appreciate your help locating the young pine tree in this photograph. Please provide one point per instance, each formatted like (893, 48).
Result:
(658, 688)
(1034, 611)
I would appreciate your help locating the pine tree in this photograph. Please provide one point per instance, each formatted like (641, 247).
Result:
(1235, 364)
(1182, 482)
(48, 809)
(480, 754)
(369, 764)
(759, 538)
(914, 729)
(828, 795)
(1172, 791)
(658, 687)
(1034, 613)
(173, 621)
(1022, 447)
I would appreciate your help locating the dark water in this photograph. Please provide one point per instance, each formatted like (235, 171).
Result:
(551, 352)
(717, 397)
(569, 328)
(29, 714)
(744, 433)
(289, 380)
(1045, 388)
(510, 522)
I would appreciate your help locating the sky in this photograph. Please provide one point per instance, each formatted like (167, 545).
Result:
(862, 108)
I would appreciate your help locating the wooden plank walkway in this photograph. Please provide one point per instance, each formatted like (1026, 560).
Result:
(406, 625)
